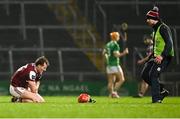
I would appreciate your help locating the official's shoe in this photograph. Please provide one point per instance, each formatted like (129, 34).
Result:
(164, 94)
(157, 101)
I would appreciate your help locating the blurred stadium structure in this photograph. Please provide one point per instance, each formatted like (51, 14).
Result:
(71, 33)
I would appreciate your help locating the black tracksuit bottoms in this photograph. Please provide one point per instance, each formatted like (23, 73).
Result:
(151, 73)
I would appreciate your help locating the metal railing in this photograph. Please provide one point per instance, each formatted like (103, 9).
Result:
(22, 4)
(41, 48)
(99, 8)
(59, 51)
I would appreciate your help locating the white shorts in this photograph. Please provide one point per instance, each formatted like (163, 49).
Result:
(16, 91)
(113, 69)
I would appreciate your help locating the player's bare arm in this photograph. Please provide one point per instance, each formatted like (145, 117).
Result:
(37, 84)
(32, 86)
(118, 54)
(142, 61)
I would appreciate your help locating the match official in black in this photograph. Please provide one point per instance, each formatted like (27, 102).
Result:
(162, 55)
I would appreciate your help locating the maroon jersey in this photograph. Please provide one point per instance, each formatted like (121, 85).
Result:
(23, 74)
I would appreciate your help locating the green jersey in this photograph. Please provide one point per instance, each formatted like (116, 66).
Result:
(110, 48)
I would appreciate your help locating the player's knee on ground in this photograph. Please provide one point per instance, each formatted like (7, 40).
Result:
(32, 96)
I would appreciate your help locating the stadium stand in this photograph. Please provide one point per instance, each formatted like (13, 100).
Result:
(37, 15)
(116, 12)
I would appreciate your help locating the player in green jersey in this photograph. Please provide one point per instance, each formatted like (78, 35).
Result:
(113, 68)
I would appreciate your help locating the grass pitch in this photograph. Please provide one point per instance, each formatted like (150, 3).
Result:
(67, 107)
